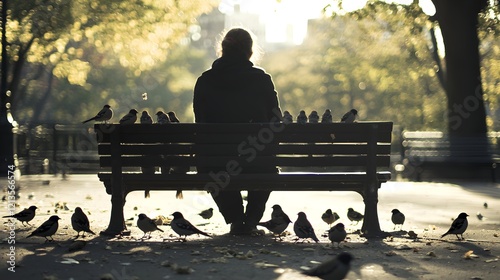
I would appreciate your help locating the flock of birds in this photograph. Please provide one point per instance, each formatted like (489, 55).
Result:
(276, 225)
(106, 113)
(336, 268)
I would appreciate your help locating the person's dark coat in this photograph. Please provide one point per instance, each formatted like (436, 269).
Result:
(235, 91)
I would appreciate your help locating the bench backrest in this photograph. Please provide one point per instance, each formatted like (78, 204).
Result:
(320, 147)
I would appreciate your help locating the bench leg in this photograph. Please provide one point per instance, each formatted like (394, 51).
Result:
(117, 220)
(371, 226)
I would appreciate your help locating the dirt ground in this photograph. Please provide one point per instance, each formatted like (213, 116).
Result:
(429, 209)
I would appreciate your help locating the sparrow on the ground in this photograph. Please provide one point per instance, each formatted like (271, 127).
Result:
(173, 118)
(330, 217)
(287, 117)
(354, 216)
(147, 225)
(278, 213)
(207, 213)
(129, 118)
(303, 228)
(313, 117)
(458, 226)
(80, 222)
(162, 118)
(350, 116)
(336, 268)
(327, 116)
(276, 225)
(302, 117)
(26, 215)
(146, 118)
(337, 234)
(183, 227)
(102, 116)
(47, 229)
(397, 218)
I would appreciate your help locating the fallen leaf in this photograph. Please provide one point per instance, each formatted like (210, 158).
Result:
(431, 254)
(69, 261)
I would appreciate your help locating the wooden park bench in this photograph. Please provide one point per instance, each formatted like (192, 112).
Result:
(428, 155)
(310, 157)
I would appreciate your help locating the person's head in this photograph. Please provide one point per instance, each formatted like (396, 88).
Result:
(239, 42)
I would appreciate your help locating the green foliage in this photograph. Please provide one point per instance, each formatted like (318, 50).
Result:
(384, 72)
(86, 44)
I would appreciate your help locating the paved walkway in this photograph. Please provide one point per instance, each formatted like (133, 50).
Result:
(429, 209)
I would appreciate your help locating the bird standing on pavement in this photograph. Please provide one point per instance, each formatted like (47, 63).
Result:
(350, 116)
(207, 214)
(287, 117)
(303, 228)
(279, 221)
(313, 117)
(397, 218)
(102, 116)
(25, 215)
(330, 217)
(327, 116)
(47, 229)
(129, 118)
(302, 118)
(80, 222)
(458, 226)
(173, 118)
(334, 269)
(183, 227)
(162, 118)
(147, 225)
(337, 233)
(354, 216)
(146, 118)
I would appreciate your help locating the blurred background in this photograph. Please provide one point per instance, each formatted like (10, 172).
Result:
(67, 58)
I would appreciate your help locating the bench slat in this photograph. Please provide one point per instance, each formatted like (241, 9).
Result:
(258, 161)
(228, 149)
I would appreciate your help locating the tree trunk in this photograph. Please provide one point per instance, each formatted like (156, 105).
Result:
(458, 20)
(469, 153)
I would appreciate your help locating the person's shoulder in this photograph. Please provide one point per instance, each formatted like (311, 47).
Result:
(260, 70)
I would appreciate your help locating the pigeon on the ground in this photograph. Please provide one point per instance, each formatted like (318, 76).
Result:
(333, 269)
(337, 234)
(147, 225)
(183, 227)
(303, 228)
(354, 216)
(458, 226)
(397, 218)
(330, 217)
(80, 222)
(25, 215)
(47, 229)
(207, 213)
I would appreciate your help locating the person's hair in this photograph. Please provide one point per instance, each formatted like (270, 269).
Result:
(239, 42)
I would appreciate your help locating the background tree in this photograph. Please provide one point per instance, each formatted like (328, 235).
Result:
(459, 24)
(55, 37)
